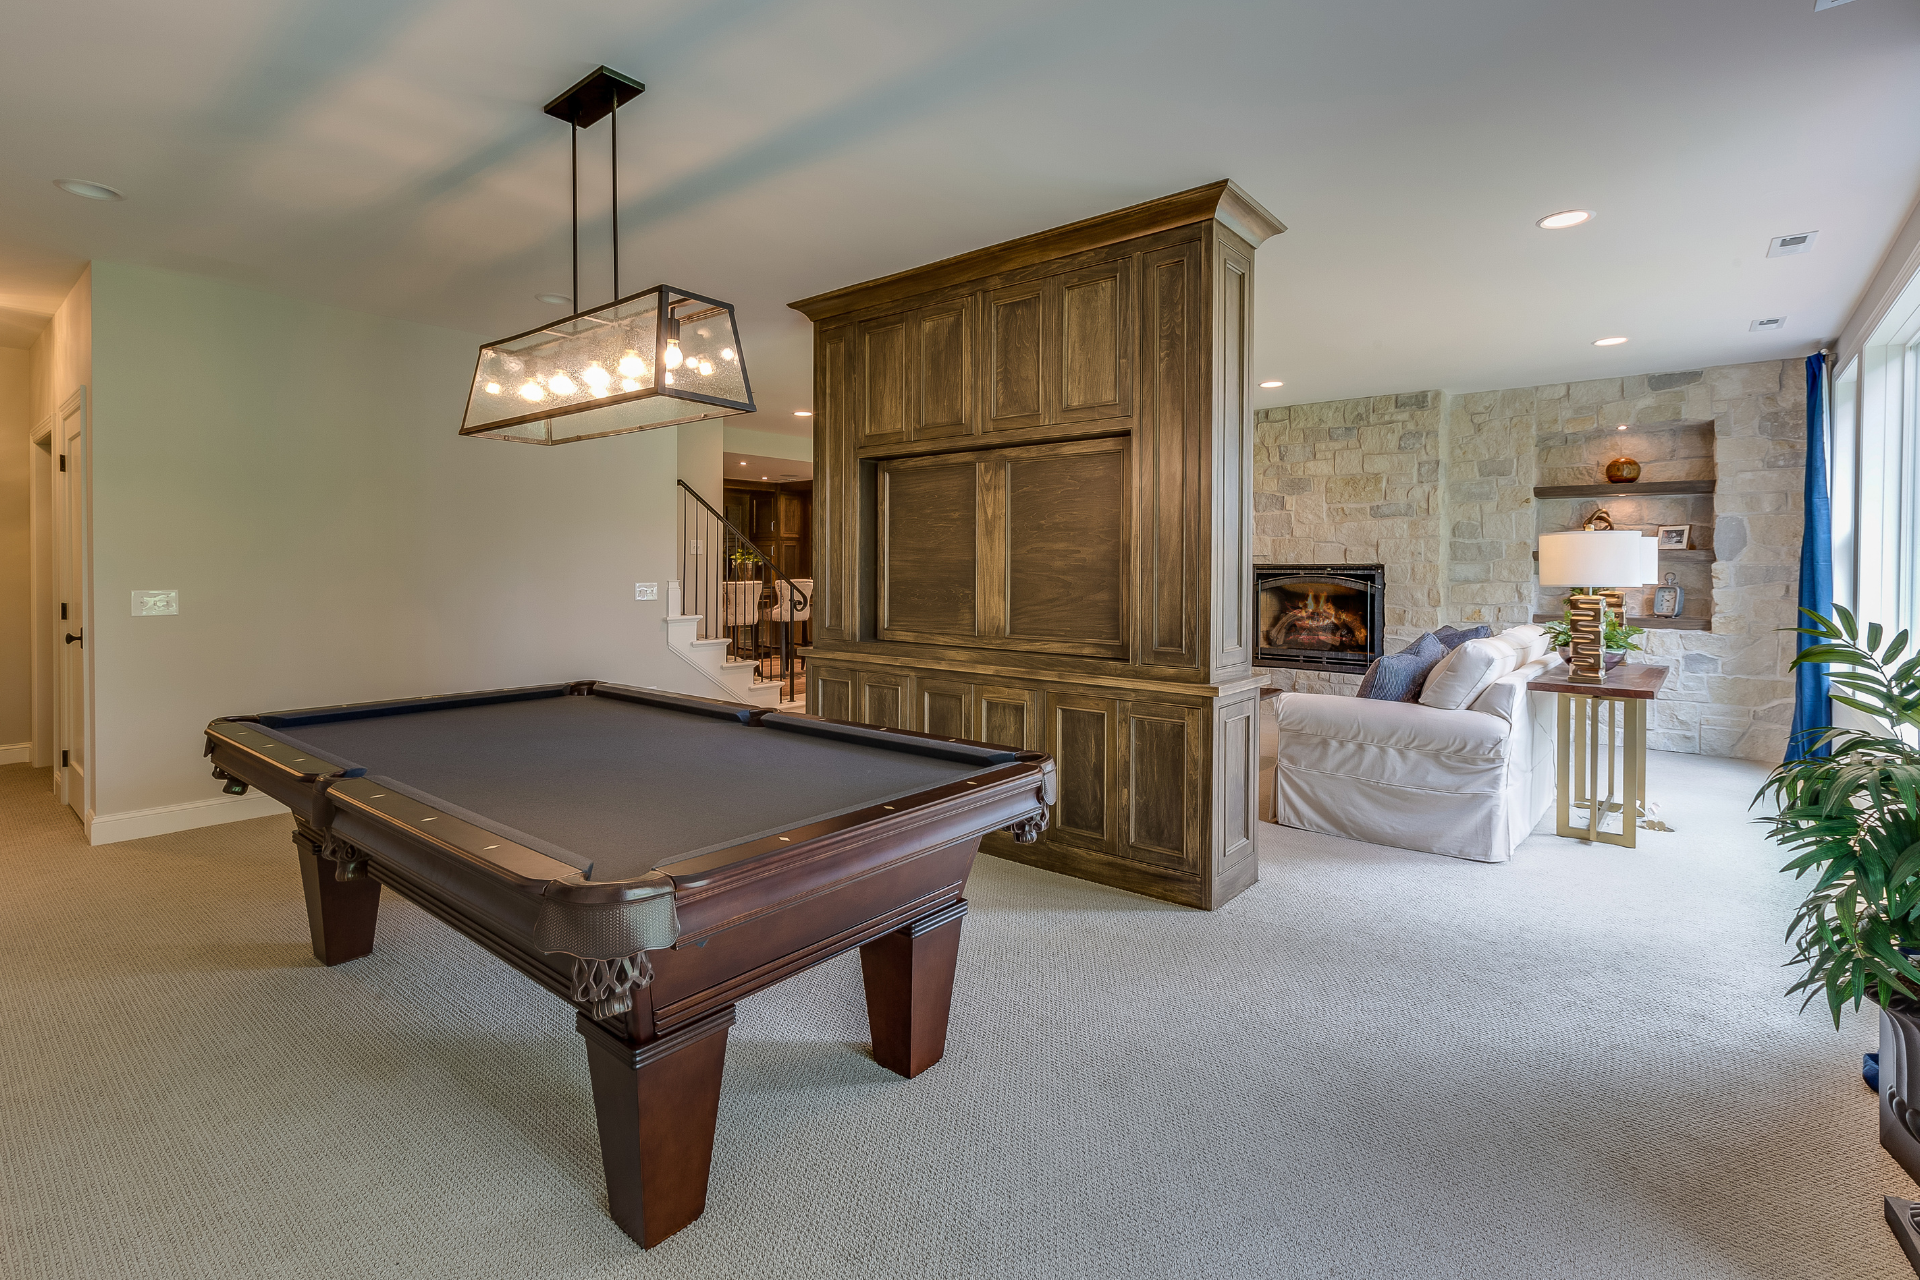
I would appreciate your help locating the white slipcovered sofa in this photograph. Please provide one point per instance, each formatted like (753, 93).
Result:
(1469, 783)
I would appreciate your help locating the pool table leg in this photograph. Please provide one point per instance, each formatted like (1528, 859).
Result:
(909, 976)
(340, 913)
(656, 1104)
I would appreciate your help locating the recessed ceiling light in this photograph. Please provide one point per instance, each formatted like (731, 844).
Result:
(1621, 427)
(1608, 342)
(1273, 384)
(763, 477)
(87, 190)
(1564, 219)
(553, 299)
(803, 413)
(743, 464)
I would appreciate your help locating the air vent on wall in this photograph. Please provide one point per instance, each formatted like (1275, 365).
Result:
(1785, 246)
(1818, 5)
(1768, 326)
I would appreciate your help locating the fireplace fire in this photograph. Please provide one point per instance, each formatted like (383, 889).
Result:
(1321, 616)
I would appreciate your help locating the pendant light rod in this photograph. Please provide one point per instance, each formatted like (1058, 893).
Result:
(573, 174)
(613, 152)
(599, 95)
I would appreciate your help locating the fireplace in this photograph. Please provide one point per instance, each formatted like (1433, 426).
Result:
(1325, 617)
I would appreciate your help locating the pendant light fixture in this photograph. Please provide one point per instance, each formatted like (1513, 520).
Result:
(649, 359)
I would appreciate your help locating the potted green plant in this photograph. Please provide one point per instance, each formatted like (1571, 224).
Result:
(745, 561)
(1617, 638)
(1849, 813)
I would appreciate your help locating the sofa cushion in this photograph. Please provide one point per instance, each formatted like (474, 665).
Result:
(1454, 637)
(1327, 723)
(1529, 641)
(1461, 676)
(1397, 677)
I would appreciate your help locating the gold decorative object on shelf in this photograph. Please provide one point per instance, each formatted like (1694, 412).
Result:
(1622, 471)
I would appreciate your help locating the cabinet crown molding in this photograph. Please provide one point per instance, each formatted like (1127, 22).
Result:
(1222, 201)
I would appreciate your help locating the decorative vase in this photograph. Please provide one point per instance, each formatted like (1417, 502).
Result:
(1622, 471)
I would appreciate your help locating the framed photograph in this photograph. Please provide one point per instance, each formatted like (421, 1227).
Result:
(1676, 537)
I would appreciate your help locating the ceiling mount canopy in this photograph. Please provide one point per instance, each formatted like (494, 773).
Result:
(648, 359)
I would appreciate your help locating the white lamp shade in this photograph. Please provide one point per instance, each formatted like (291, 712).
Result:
(1649, 561)
(1593, 558)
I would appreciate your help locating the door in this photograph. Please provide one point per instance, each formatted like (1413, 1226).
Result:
(70, 622)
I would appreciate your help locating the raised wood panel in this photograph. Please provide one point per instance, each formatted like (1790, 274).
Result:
(1093, 336)
(884, 700)
(885, 393)
(835, 493)
(946, 708)
(1008, 718)
(1066, 562)
(832, 690)
(927, 517)
(1236, 766)
(944, 381)
(1081, 741)
(1016, 378)
(1167, 431)
(1162, 800)
(1228, 486)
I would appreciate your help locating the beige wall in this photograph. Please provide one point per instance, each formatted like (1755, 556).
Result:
(767, 444)
(294, 471)
(16, 670)
(1439, 488)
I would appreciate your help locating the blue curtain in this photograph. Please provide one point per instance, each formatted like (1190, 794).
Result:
(1812, 712)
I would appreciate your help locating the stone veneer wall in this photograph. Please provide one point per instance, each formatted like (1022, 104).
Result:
(1439, 488)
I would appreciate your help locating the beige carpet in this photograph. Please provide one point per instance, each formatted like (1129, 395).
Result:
(1373, 1064)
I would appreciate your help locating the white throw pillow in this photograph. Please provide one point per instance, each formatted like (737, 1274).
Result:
(1466, 672)
(1529, 641)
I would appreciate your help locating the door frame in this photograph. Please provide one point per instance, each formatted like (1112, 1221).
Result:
(49, 545)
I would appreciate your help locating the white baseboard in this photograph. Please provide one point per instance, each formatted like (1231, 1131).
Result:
(136, 824)
(16, 753)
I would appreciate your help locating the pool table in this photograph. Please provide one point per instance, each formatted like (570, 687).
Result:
(650, 858)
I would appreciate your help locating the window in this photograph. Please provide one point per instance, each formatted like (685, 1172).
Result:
(1876, 471)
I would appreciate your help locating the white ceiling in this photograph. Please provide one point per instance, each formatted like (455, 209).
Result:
(390, 156)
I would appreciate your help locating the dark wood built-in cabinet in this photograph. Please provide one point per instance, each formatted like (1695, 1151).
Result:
(1031, 526)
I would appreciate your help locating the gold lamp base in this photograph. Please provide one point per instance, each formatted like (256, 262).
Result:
(1586, 641)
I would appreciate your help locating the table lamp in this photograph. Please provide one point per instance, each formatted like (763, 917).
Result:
(1589, 561)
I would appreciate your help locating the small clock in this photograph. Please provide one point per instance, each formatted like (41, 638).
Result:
(1668, 599)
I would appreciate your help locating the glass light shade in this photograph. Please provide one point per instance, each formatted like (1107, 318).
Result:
(1592, 558)
(554, 385)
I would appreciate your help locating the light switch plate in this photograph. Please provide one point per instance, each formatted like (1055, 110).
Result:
(152, 604)
(646, 591)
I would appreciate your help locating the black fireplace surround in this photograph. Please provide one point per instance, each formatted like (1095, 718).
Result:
(1321, 617)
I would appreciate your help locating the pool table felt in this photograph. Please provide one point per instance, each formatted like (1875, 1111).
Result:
(618, 788)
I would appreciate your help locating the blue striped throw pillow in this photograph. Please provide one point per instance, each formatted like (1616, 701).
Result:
(1399, 677)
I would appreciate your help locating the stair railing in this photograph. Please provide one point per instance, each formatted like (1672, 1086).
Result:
(712, 548)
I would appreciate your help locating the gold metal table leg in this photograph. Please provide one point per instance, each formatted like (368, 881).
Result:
(1601, 736)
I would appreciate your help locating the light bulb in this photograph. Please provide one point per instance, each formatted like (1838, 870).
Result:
(706, 368)
(628, 384)
(596, 377)
(669, 378)
(726, 353)
(562, 385)
(493, 388)
(672, 358)
(632, 366)
(532, 391)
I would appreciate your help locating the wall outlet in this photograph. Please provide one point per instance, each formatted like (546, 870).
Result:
(152, 604)
(696, 546)
(646, 591)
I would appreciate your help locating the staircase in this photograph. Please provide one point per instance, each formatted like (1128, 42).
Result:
(724, 677)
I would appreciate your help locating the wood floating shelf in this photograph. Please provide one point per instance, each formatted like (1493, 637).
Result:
(1651, 489)
(1648, 621)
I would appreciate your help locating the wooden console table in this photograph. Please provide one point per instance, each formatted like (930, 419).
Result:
(1617, 705)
